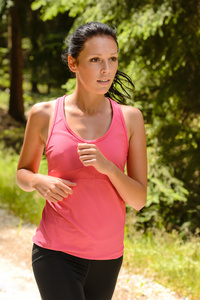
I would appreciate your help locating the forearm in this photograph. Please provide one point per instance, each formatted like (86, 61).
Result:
(131, 191)
(26, 179)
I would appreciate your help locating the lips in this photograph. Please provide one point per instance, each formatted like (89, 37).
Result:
(103, 81)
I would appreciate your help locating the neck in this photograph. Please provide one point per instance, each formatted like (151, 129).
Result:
(88, 103)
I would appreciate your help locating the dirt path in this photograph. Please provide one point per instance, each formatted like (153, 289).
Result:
(16, 278)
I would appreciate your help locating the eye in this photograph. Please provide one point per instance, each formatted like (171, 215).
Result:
(94, 59)
(114, 58)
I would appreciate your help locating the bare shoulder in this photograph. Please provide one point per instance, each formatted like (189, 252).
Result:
(40, 119)
(42, 110)
(133, 118)
(41, 114)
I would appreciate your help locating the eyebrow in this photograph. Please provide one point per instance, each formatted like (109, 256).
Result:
(101, 54)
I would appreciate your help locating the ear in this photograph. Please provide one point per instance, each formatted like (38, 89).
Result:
(72, 64)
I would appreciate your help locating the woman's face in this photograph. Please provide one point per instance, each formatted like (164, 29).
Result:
(97, 64)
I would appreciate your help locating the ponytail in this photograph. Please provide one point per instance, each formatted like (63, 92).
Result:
(124, 92)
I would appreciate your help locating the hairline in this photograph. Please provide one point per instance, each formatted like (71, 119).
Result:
(98, 34)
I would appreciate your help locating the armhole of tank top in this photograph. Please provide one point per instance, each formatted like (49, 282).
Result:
(53, 123)
(124, 124)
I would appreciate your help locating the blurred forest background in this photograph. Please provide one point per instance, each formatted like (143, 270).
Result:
(159, 49)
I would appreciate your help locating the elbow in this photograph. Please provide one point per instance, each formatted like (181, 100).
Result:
(140, 202)
(139, 206)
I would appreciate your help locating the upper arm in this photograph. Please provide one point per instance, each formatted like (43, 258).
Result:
(33, 145)
(137, 155)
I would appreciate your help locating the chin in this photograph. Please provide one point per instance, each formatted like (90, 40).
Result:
(103, 91)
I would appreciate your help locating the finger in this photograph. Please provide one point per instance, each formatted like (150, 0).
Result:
(66, 189)
(66, 185)
(88, 163)
(52, 200)
(87, 151)
(82, 146)
(86, 158)
(60, 192)
(50, 195)
(67, 182)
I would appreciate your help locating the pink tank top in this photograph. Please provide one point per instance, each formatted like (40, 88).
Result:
(90, 222)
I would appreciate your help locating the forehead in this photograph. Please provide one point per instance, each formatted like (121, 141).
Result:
(100, 45)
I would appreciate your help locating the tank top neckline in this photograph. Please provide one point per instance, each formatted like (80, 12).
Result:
(79, 137)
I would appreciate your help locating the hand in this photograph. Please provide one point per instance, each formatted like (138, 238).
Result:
(90, 155)
(52, 188)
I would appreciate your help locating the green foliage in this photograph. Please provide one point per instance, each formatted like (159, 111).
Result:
(160, 40)
(13, 138)
(166, 195)
(50, 8)
(4, 60)
(43, 61)
(4, 66)
(4, 5)
(69, 86)
(4, 99)
(28, 206)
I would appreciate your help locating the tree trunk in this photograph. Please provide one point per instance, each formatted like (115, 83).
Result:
(34, 87)
(16, 105)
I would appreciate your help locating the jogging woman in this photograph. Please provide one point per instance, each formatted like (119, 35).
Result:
(88, 136)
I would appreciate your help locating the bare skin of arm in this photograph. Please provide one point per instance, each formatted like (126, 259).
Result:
(133, 186)
(37, 129)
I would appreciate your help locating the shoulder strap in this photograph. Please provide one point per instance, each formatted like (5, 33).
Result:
(119, 115)
(57, 111)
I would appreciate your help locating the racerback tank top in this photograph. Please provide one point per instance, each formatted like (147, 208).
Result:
(90, 222)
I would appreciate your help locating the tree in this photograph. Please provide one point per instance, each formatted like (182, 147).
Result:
(16, 105)
(9, 10)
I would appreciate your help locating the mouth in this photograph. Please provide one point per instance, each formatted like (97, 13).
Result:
(104, 81)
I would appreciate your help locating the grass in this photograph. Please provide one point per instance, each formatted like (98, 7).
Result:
(167, 259)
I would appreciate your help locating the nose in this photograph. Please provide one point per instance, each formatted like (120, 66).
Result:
(105, 67)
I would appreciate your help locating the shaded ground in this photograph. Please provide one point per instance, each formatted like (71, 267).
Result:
(16, 278)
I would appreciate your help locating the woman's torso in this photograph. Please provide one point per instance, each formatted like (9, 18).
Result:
(89, 223)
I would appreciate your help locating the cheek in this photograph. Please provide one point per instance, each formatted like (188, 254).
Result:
(114, 71)
(114, 67)
(90, 70)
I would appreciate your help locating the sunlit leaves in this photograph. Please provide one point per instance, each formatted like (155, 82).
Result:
(50, 8)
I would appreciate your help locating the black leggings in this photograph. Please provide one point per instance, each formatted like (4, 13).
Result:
(61, 276)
